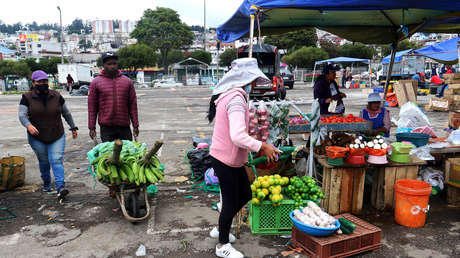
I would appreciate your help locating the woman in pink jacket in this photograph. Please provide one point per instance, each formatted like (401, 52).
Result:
(231, 143)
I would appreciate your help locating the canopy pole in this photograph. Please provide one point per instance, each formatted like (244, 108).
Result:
(390, 68)
(251, 35)
(313, 75)
(458, 52)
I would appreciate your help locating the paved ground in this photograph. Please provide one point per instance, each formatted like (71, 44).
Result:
(89, 224)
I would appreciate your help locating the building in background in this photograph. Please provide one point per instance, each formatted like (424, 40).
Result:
(126, 26)
(102, 26)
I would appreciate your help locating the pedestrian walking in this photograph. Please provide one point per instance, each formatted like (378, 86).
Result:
(40, 112)
(326, 90)
(230, 145)
(70, 83)
(112, 101)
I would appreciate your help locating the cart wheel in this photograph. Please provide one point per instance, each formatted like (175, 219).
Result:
(132, 205)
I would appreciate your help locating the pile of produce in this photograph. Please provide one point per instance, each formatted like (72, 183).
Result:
(341, 119)
(334, 139)
(279, 123)
(304, 189)
(313, 215)
(259, 123)
(300, 120)
(268, 187)
(123, 166)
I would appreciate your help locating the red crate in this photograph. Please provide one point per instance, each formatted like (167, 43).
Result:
(366, 237)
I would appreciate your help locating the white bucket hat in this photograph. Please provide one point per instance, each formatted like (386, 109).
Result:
(243, 72)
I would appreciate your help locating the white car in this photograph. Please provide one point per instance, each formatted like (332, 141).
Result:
(167, 84)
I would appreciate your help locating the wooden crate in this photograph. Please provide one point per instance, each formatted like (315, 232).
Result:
(453, 194)
(452, 171)
(384, 178)
(343, 187)
(365, 237)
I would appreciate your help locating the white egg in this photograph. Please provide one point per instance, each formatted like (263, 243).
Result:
(362, 146)
(356, 146)
(381, 141)
(357, 141)
(370, 144)
(384, 145)
(352, 146)
(377, 146)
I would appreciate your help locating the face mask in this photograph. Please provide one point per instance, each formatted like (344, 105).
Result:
(42, 88)
(247, 89)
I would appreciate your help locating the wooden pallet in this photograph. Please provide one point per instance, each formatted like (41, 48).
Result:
(453, 194)
(343, 187)
(384, 178)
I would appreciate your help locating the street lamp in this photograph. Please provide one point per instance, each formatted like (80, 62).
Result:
(62, 36)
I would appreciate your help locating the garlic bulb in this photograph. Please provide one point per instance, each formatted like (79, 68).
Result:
(370, 144)
(352, 146)
(356, 146)
(357, 141)
(384, 145)
(381, 141)
(377, 146)
(361, 146)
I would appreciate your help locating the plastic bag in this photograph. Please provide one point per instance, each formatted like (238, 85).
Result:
(411, 116)
(332, 106)
(422, 153)
(434, 178)
(210, 178)
(200, 161)
(197, 140)
(454, 137)
(425, 130)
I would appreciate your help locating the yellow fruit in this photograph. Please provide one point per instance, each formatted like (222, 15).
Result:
(277, 176)
(257, 184)
(277, 181)
(271, 188)
(275, 190)
(261, 196)
(271, 181)
(253, 188)
(255, 201)
(276, 198)
(265, 184)
(265, 191)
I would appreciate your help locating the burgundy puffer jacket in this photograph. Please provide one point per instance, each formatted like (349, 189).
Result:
(113, 100)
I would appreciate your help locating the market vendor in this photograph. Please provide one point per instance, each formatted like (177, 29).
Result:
(379, 116)
(326, 90)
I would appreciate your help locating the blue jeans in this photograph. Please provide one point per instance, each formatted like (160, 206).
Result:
(50, 156)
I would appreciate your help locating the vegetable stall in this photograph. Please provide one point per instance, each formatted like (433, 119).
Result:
(342, 183)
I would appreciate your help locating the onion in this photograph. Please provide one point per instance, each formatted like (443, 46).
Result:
(356, 146)
(381, 141)
(384, 146)
(377, 146)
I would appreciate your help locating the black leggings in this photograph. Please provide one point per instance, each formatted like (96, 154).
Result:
(236, 192)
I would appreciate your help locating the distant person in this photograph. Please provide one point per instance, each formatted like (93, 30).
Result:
(344, 78)
(326, 90)
(40, 111)
(449, 69)
(349, 75)
(70, 83)
(436, 80)
(112, 101)
(378, 115)
(434, 71)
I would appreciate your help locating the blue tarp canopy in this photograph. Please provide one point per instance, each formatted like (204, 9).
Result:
(398, 56)
(444, 52)
(6, 51)
(343, 60)
(366, 21)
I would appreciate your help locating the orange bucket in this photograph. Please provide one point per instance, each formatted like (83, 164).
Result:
(411, 202)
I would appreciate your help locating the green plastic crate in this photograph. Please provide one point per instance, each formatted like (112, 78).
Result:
(266, 219)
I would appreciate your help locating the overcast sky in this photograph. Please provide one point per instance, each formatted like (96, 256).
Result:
(45, 11)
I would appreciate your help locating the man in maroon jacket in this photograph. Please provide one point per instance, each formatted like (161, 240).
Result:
(112, 100)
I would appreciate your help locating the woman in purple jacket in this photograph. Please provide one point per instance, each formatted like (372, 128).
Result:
(326, 90)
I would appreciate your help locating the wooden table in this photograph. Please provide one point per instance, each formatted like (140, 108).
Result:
(343, 187)
(384, 178)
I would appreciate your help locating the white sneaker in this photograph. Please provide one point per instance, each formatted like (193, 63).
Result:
(227, 251)
(215, 234)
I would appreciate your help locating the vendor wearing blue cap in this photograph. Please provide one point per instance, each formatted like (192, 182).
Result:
(326, 90)
(379, 116)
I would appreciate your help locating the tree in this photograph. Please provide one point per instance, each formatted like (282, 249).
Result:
(85, 44)
(228, 56)
(163, 29)
(357, 50)
(77, 27)
(202, 56)
(49, 65)
(331, 48)
(136, 56)
(31, 63)
(99, 62)
(8, 67)
(174, 56)
(294, 40)
(305, 57)
(403, 45)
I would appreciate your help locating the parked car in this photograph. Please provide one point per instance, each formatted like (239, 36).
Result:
(268, 59)
(167, 83)
(288, 78)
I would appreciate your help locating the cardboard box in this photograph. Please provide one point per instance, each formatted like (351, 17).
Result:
(454, 121)
(453, 81)
(452, 172)
(454, 86)
(438, 104)
(406, 91)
